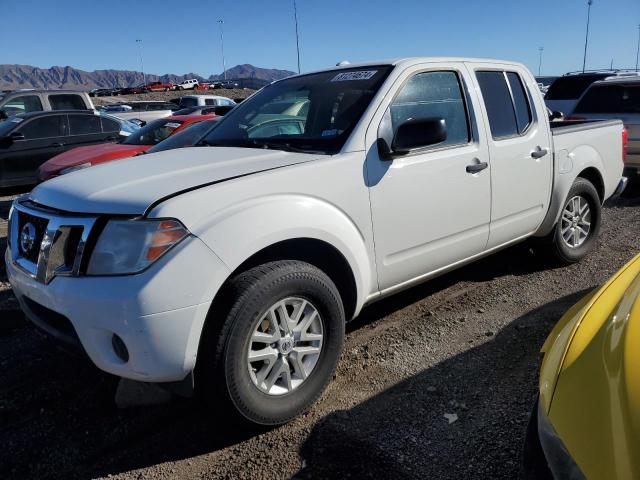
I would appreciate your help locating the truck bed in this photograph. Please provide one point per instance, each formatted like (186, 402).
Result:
(561, 127)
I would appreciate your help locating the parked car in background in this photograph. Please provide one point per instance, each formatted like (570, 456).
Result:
(143, 111)
(585, 422)
(205, 110)
(158, 87)
(233, 267)
(28, 140)
(132, 90)
(617, 97)
(104, 92)
(84, 157)
(188, 85)
(564, 92)
(202, 100)
(26, 101)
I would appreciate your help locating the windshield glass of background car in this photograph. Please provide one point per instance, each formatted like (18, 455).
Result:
(610, 99)
(185, 138)
(571, 87)
(315, 112)
(153, 133)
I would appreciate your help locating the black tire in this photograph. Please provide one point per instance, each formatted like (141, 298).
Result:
(559, 248)
(222, 376)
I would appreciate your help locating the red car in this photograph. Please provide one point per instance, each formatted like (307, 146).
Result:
(158, 87)
(140, 141)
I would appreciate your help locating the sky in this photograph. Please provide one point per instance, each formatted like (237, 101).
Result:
(182, 36)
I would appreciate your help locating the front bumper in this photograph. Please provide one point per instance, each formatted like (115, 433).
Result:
(159, 314)
(544, 456)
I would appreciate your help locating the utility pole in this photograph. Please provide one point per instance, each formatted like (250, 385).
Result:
(638, 51)
(586, 38)
(540, 49)
(295, 16)
(144, 77)
(224, 65)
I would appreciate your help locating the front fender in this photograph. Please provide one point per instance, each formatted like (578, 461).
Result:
(244, 229)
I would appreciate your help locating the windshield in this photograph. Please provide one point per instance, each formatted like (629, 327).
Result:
(314, 113)
(610, 99)
(153, 133)
(185, 138)
(571, 87)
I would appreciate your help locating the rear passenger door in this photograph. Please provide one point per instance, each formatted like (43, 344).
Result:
(431, 207)
(519, 148)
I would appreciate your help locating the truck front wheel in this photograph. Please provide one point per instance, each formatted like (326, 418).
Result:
(278, 346)
(579, 224)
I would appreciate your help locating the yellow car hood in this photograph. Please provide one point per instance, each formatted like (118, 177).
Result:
(590, 378)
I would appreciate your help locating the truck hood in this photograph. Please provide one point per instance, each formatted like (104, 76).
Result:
(130, 186)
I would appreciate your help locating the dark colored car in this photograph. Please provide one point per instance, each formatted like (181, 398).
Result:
(189, 137)
(132, 90)
(27, 140)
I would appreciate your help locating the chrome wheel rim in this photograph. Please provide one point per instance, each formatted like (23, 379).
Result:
(575, 224)
(285, 346)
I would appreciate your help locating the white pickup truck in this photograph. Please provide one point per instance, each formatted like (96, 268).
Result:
(231, 267)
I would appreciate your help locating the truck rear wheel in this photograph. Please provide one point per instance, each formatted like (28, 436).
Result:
(579, 224)
(278, 346)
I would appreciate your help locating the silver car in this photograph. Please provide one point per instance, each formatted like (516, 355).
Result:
(616, 98)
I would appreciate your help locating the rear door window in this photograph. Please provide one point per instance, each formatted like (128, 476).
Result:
(67, 102)
(84, 124)
(23, 104)
(43, 127)
(507, 103)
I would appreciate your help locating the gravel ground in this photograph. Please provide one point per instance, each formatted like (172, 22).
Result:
(466, 344)
(165, 96)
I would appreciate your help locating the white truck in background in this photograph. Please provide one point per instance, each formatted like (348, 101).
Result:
(231, 267)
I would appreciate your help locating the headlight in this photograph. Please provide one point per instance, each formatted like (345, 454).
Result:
(130, 246)
(82, 166)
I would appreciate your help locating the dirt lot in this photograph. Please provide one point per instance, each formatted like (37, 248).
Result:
(465, 344)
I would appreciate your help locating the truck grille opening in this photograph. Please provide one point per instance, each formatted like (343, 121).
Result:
(40, 225)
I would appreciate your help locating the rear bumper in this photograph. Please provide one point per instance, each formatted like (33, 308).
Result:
(622, 185)
(544, 456)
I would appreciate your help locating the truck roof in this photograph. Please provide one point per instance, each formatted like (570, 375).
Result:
(408, 61)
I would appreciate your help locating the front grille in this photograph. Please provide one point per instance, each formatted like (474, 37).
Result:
(40, 225)
(45, 243)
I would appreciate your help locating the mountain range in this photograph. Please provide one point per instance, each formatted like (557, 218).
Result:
(14, 77)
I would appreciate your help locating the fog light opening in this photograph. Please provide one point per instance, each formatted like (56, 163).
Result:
(120, 348)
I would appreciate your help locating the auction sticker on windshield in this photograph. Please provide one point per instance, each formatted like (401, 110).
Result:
(348, 76)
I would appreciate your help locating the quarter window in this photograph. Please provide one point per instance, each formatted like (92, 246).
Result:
(67, 102)
(506, 102)
(433, 95)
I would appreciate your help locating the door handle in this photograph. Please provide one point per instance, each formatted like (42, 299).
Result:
(57, 144)
(477, 167)
(539, 152)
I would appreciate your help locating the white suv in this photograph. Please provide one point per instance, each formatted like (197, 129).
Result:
(188, 84)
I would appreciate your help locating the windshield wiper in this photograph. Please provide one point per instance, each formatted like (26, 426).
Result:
(260, 144)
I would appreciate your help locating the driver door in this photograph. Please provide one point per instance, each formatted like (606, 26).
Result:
(429, 209)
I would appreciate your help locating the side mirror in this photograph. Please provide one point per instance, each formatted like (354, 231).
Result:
(137, 121)
(555, 115)
(6, 142)
(417, 133)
